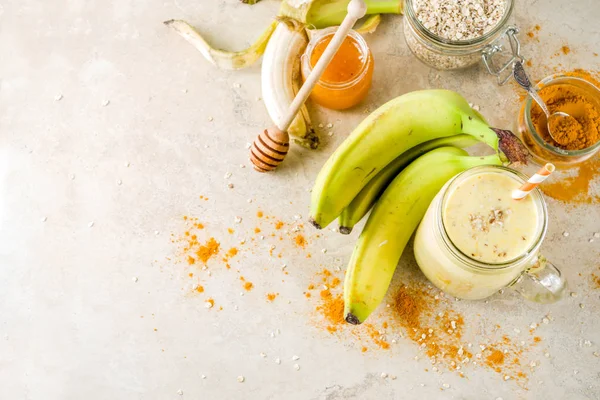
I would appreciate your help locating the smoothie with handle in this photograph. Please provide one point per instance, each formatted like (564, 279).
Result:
(476, 239)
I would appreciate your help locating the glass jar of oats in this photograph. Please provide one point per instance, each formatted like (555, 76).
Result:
(449, 34)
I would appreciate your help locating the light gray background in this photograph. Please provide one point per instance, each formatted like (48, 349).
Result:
(70, 325)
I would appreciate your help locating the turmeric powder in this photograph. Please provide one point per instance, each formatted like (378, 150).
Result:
(565, 129)
(577, 133)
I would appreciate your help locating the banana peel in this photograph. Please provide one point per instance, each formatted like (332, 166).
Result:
(223, 59)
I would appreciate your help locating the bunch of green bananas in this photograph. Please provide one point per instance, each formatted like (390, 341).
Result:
(397, 160)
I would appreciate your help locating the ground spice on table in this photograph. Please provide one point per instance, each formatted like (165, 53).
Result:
(203, 252)
(495, 358)
(532, 33)
(300, 241)
(272, 296)
(247, 284)
(595, 281)
(332, 309)
(418, 312)
(429, 320)
(575, 187)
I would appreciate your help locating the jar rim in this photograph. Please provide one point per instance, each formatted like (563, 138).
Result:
(409, 11)
(321, 35)
(466, 260)
(557, 79)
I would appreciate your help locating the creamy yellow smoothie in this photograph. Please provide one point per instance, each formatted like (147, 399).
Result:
(485, 223)
(475, 239)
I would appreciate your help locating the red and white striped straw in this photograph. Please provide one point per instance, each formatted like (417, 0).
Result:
(533, 182)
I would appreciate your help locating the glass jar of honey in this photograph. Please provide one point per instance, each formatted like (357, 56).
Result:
(347, 78)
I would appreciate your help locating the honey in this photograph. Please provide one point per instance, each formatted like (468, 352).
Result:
(347, 78)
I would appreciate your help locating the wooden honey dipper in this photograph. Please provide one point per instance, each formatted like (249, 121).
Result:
(272, 145)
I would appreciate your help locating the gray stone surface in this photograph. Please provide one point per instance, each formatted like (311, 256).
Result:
(95, 302)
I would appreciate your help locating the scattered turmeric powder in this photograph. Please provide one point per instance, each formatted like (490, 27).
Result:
(278, 225)
(565, 50)
(209, 249)
(428, 320)
(377, 337)
(232, 252)
(533, 31)
(300, 241)
(575, 188)
(272, 296)
(332, 309)
(421, 314)
(595, 281)
(496, 357)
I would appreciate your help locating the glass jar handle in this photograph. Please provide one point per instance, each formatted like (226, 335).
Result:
(542, 283)
(504, 72)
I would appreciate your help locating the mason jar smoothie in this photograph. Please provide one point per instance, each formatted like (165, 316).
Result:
(475, 238)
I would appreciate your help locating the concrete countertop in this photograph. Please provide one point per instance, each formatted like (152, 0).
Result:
(112, 127)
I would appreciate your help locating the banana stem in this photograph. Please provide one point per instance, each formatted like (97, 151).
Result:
(512, 149)
(509, 147)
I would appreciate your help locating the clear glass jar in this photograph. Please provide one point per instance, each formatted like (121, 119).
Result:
(467, 278)
(543, 151)
(340, 95)
(445, 54)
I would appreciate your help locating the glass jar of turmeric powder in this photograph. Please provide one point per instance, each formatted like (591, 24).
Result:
(578, 98)
(347, 78)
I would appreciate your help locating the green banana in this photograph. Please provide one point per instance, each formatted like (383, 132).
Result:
(392, 222)
(395, 127)
(363, 202)
(321, 14)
